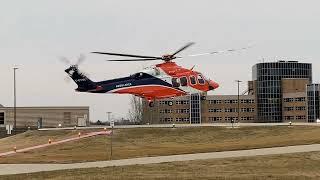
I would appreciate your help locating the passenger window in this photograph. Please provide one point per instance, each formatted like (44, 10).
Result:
(138, 75)
(184, 81)
(200, 79)
(175, 82)
(193, 80)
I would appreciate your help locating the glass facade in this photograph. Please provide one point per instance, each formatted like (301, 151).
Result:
(268, 90)
(313, 92)
(195, 109)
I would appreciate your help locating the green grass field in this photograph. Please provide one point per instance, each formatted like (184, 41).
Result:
(130, 143)
(290, 166)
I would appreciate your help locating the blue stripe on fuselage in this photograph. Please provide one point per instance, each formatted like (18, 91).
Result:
(130, 81)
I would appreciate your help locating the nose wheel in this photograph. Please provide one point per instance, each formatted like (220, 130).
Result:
(151, 103)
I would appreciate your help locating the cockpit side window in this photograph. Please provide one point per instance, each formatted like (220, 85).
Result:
(200, 79)
(184, 81)
(175, 82)
(193, 80)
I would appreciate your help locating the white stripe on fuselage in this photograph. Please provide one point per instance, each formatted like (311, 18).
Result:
(137, 86)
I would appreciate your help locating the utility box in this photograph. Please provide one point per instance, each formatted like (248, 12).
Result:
(9, 128)
(39, 123)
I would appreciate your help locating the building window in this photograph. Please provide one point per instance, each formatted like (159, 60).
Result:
(244, 101)
(247, 109)
(230, 110)
(247, 101)
(288, 99)
(212, 119)
(182, 111)
(289, 117)
(300, 108)
(230, 101)
(182, 102)
(167, 119)
(1, 117)
(288, 108)
(215, 101)
(165, 111)
(164, 102)
(246, 118)
(300, 99)
(186, 119)
(300, 117)
(230, 118)
(215, 110)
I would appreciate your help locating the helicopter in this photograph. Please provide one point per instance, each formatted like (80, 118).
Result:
(163, 80)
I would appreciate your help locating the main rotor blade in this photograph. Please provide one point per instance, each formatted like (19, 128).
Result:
(146, 59)
(125, 55)
(217, 52)
(183, 48)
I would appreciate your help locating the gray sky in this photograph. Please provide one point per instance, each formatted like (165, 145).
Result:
(34, 33)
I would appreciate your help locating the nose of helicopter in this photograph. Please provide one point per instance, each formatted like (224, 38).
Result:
(213, 85)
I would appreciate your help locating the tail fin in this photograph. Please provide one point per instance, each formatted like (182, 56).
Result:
(83, 82)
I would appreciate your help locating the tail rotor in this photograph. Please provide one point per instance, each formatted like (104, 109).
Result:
(72, 67)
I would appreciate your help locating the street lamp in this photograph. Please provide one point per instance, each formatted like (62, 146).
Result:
(14, 99)
(111, 124)
(238, 81)
(109, 113)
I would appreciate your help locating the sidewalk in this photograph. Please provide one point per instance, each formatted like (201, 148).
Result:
(6, 169)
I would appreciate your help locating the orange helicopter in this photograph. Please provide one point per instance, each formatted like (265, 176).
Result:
(164, 80)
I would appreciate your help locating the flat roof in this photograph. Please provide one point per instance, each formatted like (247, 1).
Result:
(229, 97)
(48, 107)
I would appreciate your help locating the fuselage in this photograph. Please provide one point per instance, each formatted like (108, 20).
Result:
(161, 81)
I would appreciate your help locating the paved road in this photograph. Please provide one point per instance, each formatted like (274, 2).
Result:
(185, 125)
(6, 169)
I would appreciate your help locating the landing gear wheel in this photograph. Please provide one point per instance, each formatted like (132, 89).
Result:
(170, 103)
(203, 98)
(151, 104)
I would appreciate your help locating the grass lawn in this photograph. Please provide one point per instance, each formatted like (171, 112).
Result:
(130, 143)
(289, 166)
(32, 138)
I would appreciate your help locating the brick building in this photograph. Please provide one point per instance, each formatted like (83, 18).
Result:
(279, 92)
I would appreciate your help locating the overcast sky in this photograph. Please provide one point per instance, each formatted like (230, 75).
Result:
(34, 33)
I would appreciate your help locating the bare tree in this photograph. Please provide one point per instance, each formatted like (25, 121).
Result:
(135, 111)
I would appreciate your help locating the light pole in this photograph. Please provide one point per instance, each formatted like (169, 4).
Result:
(14, 99)
(111, 124)
(238, 81)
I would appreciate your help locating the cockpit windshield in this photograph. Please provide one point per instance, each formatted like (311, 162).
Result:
(200, 79)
